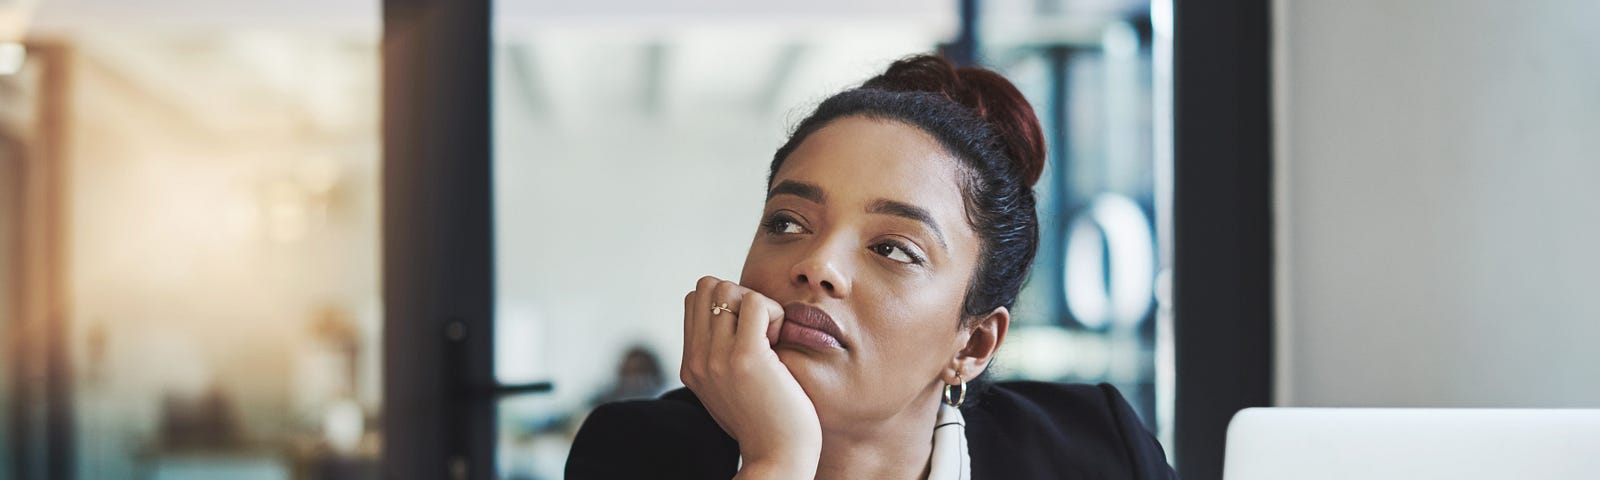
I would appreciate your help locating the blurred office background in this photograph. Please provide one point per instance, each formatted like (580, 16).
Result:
(189, 208)
(196, 199)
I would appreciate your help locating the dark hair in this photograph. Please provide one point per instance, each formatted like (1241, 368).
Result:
(981, 119)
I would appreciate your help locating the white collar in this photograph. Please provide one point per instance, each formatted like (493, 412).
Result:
(950, 460)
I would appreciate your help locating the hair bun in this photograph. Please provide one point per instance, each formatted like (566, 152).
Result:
(983, 91)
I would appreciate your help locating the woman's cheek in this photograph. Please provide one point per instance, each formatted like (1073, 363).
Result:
(762, 272)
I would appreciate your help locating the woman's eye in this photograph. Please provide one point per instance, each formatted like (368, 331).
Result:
(895, 252)
(783, 225)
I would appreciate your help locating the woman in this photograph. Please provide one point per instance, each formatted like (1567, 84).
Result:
(899, 226)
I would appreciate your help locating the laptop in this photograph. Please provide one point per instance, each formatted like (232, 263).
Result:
(1384, 443)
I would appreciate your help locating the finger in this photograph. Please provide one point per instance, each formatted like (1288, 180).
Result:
(688, 302)
(775, 326)
(695, 341)
(759, 320)
(722, 324)
(700, 308)
(688, 336)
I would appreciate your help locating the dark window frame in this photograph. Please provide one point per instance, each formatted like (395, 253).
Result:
(1222, 209)
(438, 240)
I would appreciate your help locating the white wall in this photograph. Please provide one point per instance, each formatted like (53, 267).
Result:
(609, 207)
(1438, 167)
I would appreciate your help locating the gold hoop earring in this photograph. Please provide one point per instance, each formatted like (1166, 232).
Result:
(952, 399)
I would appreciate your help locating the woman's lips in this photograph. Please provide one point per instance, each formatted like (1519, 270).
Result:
(809, 326)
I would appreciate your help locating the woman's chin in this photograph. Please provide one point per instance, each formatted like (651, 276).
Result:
(818, 375)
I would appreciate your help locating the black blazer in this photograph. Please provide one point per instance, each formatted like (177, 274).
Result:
(1017, 430)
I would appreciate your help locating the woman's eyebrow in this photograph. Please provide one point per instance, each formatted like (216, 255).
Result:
(906, 210)
(799, 189)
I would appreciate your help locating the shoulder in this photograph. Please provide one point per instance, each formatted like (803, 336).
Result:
(668, 437)
(1041, 427)
(1075, 398)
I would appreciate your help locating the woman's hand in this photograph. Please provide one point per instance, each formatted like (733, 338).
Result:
(728, 362)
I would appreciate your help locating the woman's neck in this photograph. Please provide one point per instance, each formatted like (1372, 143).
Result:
(897, 448)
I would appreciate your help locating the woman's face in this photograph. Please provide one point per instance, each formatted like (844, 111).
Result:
(865, 221)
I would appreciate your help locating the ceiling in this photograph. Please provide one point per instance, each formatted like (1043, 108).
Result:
(68, 16)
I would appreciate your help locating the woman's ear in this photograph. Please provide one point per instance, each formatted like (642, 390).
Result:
(983, 341)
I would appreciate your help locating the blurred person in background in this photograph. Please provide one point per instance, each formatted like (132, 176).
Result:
(898, 229)
(638, 376)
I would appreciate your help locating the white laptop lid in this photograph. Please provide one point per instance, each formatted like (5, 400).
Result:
(1376, 443)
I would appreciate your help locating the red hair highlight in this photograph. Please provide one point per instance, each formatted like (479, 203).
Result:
(982, 91)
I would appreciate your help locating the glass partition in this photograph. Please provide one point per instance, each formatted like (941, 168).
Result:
(196, 191)
(1096, 308)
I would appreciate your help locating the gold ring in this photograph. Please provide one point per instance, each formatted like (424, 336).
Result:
(719, 308)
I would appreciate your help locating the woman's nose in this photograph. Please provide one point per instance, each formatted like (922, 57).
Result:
(822, 271)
